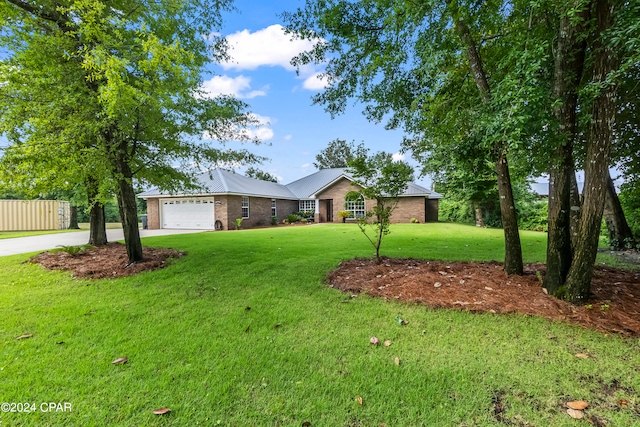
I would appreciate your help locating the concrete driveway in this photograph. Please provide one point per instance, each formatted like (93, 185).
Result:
(20, 245)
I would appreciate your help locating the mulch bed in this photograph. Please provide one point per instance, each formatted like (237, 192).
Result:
(614, 305)
(107, 261)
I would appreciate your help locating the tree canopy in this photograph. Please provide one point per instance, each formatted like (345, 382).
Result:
(338, 154)
(114, 90)
(507, 81)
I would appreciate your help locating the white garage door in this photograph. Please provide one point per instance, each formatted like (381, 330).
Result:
(190, 214)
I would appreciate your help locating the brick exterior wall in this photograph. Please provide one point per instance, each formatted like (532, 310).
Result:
(409, 207)
(153, 214)
(228, 208)
(286, 207)
(337, 192)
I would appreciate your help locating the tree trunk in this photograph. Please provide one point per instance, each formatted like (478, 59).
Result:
(599, 140)
(477, 209)
(127, 205)
(512, 246)
(620, 235)
(569, 63)
(559, 252)
(97, 223)
(73, 218)
(576, 206)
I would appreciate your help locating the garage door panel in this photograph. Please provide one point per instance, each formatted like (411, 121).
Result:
(196, 214)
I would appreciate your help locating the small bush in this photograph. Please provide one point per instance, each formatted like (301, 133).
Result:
(292, 218)
(274, 220)
(238, 223)
(414, 221)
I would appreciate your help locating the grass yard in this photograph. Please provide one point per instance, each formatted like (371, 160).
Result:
(243, 332)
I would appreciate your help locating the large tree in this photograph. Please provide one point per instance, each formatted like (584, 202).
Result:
(134, 71)
(338, 154)
(412, 62)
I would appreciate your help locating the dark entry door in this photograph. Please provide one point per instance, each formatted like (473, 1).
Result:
(329, 210)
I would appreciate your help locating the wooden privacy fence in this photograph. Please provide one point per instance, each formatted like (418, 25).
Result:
(24, 215)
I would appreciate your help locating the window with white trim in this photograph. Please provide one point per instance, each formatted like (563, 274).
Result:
(245, 207)
(307, 205)
(355, 205)
(274, 211)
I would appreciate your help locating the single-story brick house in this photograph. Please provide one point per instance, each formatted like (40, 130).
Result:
(227, 195)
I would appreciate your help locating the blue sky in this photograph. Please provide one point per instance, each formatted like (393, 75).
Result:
(261, 75)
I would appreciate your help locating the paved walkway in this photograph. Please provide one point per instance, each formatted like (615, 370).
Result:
(20, 245)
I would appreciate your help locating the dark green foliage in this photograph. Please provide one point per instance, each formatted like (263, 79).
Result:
(260, 174)
(292, 218)
(532, 210)
(630, 200)
(111, 212)
(338, 154)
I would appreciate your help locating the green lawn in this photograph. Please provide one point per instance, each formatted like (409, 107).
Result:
(243, 332)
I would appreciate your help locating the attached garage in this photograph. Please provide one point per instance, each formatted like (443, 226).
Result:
(188, 213)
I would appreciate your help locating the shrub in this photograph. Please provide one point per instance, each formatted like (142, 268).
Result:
(292, 218)
(414, 221)
(238, 223)
(274, 220)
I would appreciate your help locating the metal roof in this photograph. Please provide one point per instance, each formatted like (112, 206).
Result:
(309, 186)
(221, 181)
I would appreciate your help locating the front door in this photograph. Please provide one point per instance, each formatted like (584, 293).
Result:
(329, 210)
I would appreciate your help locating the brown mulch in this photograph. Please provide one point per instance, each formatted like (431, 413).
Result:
(107, 261)
(614, 305)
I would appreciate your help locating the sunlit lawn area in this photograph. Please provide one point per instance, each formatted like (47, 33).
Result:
(243, 332)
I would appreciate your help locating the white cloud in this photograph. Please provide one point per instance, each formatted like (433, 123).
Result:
(288, 137)
(269, 47)
(263, 133)
(236, 86)
(315, 82)
(397, 157)
(260, 130)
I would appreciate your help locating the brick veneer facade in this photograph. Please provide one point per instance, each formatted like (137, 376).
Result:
(408, 207)
(153, 214)
(229, 207)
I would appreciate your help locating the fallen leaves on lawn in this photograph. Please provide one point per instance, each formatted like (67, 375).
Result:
(574, 413)
(359, 398)
(374, 341)
(161, 411)
(23, 336)
(397, 361)
(120, 361)
(578, 404)
(582, 356)
(387, 343)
